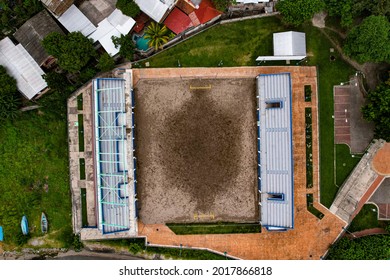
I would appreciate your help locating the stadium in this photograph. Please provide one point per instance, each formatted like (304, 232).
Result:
(196, 145)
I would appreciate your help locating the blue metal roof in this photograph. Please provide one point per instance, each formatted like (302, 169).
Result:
(111, 155)
(275, 157)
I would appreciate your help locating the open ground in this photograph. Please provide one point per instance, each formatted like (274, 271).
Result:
(196, 150)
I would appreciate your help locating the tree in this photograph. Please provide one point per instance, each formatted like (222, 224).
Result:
(56, 81)
(106, 62)
(342, 9)
(378, 111)
(73, 50)
(369, 41)
(157, 34)
(126, 46)
(128, 7)
(9, 96)
(296, 12)
(222, 5)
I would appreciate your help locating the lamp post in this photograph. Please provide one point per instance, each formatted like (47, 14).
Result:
(181, 245)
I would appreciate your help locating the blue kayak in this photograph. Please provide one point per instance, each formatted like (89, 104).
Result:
(24, 225)
(1, 234)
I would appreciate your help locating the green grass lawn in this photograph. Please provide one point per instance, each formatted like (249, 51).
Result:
(367, 218)
(34, 176)
(218, 228)
(345, 163)
(235, 44)
(330, 73)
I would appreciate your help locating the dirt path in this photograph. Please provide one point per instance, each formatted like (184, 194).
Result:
(369, 69)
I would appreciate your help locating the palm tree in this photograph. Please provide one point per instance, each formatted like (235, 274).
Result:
(157, 34)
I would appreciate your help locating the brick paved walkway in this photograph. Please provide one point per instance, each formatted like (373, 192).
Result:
(367, 232)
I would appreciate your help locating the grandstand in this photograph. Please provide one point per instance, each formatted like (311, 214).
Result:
(113, 155)
(275, 157)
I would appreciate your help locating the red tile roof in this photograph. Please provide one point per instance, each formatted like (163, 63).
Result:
(206, 11)
(177, 21)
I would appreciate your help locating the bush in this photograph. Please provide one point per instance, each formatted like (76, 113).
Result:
(128, 7)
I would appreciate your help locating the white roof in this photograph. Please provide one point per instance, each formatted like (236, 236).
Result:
(275, 58)
(155, 9)
(289, 43)
(114, 25)
(74, 20)
(276, 181)
(22, 67)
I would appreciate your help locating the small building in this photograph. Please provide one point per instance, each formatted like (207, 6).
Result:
(75, 21)
(57, 7)
(288, 45)
(22, 67)
(156, 9)
(116, 24)
(189, 14)
(31, 34)
(97, 10)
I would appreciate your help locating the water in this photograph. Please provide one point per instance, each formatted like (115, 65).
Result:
(141, 43)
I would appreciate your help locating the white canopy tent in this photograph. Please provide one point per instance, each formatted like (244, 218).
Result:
(288, 45)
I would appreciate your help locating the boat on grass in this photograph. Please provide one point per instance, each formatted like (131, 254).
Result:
(1, 234)
(44, 223)
(24, 225)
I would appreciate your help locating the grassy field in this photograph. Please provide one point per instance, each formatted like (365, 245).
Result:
(329, 73)
(219, 228)
(238, 44)
(34, 177)
(235, 44)
(345, 163)
(367, 218)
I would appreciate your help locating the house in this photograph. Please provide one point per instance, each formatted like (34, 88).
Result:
(186, 14)
(31, 34)
(75, 21)
(116, 24)
(288, 45)
(22, 67)
(97, 10)
(57, 7)
(156, 9)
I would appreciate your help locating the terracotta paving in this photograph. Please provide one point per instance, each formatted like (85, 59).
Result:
(311, 237)
(383, 211)
(381, 162)
(342, 131)
(368, 194)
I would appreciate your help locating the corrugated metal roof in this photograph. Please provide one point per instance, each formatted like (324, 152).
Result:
(155, 9)
(111, 155)
(22, 67)
(275, 150)
(33, 31)
(74, 20)
(114, 25)
(289, 43)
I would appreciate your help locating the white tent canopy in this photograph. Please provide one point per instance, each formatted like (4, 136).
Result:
(114, 25)
(288, 45)
(22, 67)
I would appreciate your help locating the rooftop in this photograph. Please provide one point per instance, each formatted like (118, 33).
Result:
(275, 155)
(33, 31)
(22, 67)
